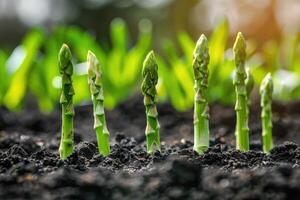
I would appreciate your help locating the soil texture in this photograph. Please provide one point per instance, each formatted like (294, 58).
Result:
(30, 167)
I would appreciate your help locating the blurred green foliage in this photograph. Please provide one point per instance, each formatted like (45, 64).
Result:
(176, 70)
(31, 70)
(36, 69)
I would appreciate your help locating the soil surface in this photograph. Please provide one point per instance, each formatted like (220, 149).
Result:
(30, 167)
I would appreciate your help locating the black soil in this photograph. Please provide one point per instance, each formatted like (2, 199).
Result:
(30, 167)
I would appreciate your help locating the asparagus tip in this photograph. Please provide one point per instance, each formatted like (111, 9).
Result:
(90, 55)
(201, 46)
(267, 84)
(239, 47)
(64, 55)
(92, 63)
(150, 76)
(150, 60)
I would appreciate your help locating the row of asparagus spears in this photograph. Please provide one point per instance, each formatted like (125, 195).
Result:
(243, 82)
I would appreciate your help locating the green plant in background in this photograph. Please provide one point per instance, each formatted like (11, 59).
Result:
(201, 109)
(121, 60)
(221, 66)
(178, 68)
(285, 73)
(30, 69)
(241, 106)
(19, 80)
(150, 78)
(176, 76)
(4, 82)
(45, 82)
(123, 63)
(66, 100)
(96, 89)
(33, 71)
(266, 91)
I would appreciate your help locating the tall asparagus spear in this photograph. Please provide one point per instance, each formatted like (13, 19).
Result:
(241, 106)
(266, 91)
(96, 89)
(66, 100)
(150, 78)
(201, 109)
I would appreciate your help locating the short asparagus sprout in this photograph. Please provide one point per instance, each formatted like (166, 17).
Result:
(66, 101)
(96, 89)
(266, 91)
(150, 78)
(201, 109)
(241, 106)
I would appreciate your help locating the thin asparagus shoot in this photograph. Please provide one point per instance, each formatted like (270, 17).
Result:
(266, 92)
(201, 109)
(241, 106)
(249, 85)
(96, 89)
(150, 78)
(66, 101)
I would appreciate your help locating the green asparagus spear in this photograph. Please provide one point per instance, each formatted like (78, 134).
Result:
(96, 89)
(66, 100)
(241, 106)
(201, 109)
(249, 87)
(150, 78)
(266, 91)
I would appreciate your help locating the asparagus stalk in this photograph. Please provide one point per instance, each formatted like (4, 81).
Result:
(241, 106)
(66, 101)
(201, 109)
(249, 87)
(96, 89)
(266, 91)
(150, 78)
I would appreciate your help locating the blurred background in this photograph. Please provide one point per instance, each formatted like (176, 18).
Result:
(261, 20)
(122, 32)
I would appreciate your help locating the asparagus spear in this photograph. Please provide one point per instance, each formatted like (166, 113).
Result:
(150, 78)
(241, 106)
(201, 109)
(266, 91)
(249, 87)
(96, 89)
(66, 101)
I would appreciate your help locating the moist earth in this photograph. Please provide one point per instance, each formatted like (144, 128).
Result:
(30, 167)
